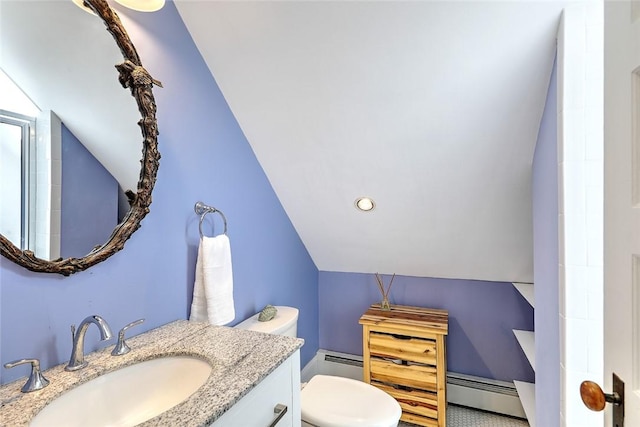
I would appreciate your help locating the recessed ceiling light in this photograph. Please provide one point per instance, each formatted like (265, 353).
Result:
(365, 204)
(139, 5)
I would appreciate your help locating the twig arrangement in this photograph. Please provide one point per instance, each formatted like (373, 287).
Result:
(385, 294)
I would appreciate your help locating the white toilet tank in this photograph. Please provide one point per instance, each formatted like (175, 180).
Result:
(284, 323)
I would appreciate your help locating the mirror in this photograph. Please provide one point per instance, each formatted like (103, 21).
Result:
(58, 57)
(129, 74)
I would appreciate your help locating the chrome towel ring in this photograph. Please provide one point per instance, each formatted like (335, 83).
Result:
(202, 210)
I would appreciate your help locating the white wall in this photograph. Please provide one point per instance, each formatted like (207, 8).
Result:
(47, 186)
(580, 167)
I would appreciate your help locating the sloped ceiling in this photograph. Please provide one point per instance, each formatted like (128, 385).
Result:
(430, 108)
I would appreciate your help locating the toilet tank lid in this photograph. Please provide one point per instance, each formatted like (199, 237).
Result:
(284, 319)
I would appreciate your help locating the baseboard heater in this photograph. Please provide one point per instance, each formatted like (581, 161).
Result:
(331, 358)
(466, 390)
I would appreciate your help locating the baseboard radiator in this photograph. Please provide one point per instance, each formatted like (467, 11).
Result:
(466, 390)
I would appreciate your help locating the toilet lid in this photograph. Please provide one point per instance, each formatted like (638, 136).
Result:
(342, 402)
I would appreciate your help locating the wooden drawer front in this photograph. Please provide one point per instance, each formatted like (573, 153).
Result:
(402, 347)
(418, 420)
(413, 401)
(415, 376)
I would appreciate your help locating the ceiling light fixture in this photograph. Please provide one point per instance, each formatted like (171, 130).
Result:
(80, 4)
(142, 5)
(139, 5)
(365, 204)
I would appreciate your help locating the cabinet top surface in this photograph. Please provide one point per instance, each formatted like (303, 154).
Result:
(403, 316)
(240, 359)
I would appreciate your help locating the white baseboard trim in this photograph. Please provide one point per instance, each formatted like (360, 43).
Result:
(310, 369)
(482, 393)
(327, 362)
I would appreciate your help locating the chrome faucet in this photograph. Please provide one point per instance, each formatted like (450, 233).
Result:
(36, 380)
(121, 348)
(77, 352)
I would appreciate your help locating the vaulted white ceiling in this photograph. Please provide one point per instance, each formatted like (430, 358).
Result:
(430, 108)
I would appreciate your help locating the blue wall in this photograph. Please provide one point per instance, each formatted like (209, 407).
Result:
(481, 318)
(545, 271)
(89, 201)
(205, 157)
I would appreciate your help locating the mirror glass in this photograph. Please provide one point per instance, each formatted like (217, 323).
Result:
(76, 154)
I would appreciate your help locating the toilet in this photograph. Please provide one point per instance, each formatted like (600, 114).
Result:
(329, 401)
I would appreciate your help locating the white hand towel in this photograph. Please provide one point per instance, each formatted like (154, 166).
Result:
(213, 288)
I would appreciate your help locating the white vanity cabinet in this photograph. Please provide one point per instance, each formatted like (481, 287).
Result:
(256, 408)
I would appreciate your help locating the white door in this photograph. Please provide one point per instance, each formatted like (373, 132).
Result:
(622, 205)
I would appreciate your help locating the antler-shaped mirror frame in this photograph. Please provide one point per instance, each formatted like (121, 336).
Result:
(133, 76)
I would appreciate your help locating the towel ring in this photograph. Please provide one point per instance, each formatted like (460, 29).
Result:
(202, 210)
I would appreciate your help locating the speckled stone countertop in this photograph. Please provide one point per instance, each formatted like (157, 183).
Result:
(240, 360)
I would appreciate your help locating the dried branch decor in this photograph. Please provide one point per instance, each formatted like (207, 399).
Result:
(385, 294)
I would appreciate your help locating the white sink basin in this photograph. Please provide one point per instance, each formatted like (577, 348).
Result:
(127, 396)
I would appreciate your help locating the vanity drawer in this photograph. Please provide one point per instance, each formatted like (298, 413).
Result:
(415, 376)
(257, 407)
(403, 347)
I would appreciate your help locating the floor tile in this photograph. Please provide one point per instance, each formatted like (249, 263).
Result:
(460, 416)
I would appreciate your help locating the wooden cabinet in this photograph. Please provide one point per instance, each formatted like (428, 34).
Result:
(404, 355)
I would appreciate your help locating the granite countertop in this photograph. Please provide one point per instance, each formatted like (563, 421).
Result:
(240, 360)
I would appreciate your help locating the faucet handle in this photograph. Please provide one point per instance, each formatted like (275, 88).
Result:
(36, 380)
(121, 346)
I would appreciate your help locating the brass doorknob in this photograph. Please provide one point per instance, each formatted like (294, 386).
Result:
(594, 398)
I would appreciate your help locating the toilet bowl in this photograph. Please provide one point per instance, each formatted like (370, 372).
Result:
(329, 401)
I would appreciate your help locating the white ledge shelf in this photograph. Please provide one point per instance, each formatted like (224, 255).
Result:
(527, 341)
(527, 394)
(526, 289)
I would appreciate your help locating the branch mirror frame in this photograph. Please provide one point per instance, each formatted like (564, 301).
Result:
(133, 76)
